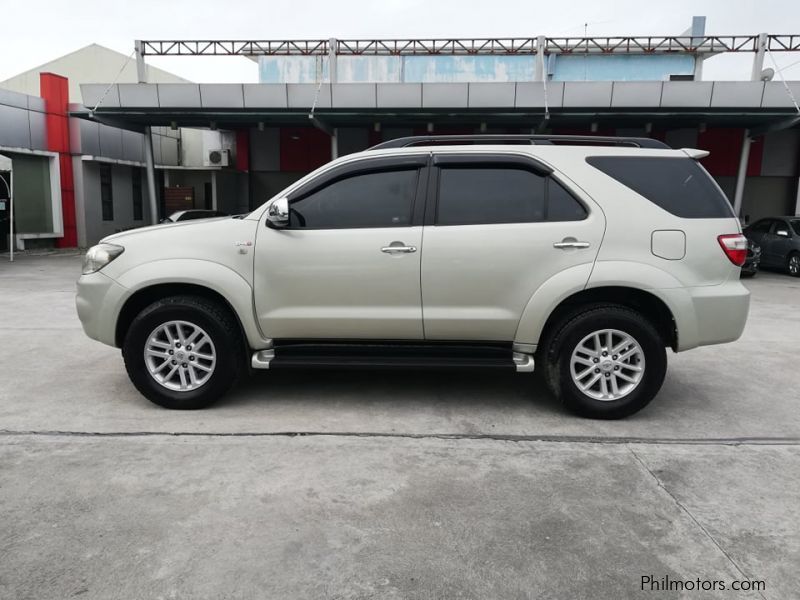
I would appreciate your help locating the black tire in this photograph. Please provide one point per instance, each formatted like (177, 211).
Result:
(790, 268)
(215, 320)
(565, 337)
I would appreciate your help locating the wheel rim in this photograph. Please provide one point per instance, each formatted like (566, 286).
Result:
(794, 264)
(607, 364)
(180, 356)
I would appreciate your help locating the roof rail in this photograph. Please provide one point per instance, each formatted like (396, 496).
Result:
(490, 139)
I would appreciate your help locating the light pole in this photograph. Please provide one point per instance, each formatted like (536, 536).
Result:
(9, 186)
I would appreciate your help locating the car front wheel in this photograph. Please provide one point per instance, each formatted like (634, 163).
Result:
(183, 352)
(606, 362)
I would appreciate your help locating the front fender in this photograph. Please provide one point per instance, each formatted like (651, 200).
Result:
(229, 284)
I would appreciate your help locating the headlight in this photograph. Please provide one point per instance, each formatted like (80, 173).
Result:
(99, 256)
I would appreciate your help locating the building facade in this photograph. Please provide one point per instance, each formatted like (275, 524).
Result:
(320, 99)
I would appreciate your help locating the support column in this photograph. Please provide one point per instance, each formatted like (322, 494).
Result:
(797, 199)
(333, 48)
(758, 59)
(214, 189)
(141, 68)
(335, 144)
(741, 175)
(150, 168)
(539, 73)
(149, 162)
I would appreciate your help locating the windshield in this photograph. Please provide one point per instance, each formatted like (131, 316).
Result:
(795, 223)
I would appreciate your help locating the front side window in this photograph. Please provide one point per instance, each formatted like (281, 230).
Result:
(472, 195)
(795, 223)
(377, 199)
(106, 195)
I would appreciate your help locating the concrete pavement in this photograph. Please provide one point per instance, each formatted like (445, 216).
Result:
(406, 486)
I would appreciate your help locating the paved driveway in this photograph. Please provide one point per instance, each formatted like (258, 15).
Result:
(389, 485)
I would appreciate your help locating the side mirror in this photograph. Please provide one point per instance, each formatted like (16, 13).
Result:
(278, 213)
(782, 232)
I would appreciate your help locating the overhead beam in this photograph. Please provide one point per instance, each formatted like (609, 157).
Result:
(691, 44)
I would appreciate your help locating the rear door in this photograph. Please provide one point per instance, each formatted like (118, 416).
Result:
(496, 228)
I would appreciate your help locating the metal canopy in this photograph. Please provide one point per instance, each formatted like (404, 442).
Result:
(472, 46)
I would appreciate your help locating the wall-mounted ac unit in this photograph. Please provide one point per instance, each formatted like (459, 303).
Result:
(217, 158)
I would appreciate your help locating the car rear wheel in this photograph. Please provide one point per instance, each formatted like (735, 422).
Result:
(606, 362)
(793, 264)
(183, 352)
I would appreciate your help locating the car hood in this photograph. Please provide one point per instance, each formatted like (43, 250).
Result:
(158, 229)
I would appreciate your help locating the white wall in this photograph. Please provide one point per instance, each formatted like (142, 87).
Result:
(91, 64)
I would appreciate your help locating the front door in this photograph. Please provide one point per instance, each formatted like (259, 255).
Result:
(347, 266)
(500, 227)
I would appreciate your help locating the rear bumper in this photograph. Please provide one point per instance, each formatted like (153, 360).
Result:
(706, 315)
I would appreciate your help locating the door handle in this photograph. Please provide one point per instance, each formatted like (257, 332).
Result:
(570, 243)
(398, 248)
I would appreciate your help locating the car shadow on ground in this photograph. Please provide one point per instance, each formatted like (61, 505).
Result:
(353, 387)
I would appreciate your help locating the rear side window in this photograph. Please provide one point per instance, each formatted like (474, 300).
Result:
(472, 195)
(678, 185)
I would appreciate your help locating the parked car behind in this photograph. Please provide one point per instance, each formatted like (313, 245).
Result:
(753, 260)
(779, 238)
(191, 215)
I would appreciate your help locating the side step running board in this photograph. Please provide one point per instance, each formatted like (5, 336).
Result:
(392, 356)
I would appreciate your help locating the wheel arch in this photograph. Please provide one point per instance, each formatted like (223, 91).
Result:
(145, 296)
(642, 301)
(150, 281)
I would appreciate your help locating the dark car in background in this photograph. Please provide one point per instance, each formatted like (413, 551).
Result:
(190, 215)
(753, 260)
(779, 239)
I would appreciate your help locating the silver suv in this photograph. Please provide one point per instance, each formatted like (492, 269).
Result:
(588, 256)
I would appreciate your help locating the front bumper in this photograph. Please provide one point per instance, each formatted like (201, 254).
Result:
(97, 301)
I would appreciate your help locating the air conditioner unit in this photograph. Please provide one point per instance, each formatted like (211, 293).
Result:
(218, 158)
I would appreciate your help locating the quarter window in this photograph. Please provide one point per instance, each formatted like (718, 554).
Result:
(471, 195)
(678, 185)
(378, 199)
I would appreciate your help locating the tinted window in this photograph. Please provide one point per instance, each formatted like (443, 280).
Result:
(486, 195)
(561, 205)
(678, 185)
(761, 226)
(796, 226)
(383, 199)
(780, 226)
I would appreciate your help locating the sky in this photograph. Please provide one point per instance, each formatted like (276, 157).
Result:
(36, 31)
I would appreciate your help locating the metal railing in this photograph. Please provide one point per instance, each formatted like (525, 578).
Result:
(472, 46)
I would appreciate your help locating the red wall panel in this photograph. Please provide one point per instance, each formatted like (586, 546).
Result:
(55, 91)
(304, 148)
(242, 149)
(725, 145)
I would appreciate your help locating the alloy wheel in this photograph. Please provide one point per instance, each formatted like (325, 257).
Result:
(607, 364)
(180, 356)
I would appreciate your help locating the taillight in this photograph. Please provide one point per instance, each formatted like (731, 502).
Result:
(735, 247)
